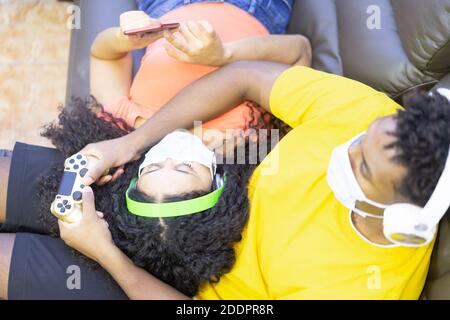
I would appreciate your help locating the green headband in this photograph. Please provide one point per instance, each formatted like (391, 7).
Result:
(172, 209)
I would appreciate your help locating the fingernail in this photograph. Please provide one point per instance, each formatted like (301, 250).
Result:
(87, 189)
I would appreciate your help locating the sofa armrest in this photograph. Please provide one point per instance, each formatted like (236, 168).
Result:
(95, 16)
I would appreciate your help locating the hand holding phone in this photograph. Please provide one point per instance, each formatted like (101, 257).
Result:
(138, 30)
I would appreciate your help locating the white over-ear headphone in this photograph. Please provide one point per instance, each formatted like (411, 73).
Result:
(412, 226)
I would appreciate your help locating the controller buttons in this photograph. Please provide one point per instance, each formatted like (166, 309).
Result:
(77, 196)
(67, 168)
(71, 161)
(63, 206)
(79, 156)
(58, 197)
(83, 172)
(82, 186)
(83, 162)
(75, 167)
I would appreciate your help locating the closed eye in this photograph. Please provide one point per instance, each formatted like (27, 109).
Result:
(186, 167)
(364, 167)
(153, 167)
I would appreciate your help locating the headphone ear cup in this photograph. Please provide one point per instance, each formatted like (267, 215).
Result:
(400, 225)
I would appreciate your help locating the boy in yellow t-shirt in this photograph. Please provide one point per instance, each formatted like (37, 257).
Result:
(307, 237)
(299, 242)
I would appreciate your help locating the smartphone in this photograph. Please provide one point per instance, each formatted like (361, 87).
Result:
(151, 29)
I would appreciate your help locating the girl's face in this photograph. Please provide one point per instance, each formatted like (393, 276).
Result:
(172, 177)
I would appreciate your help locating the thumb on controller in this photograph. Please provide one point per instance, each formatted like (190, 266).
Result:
(88, 202)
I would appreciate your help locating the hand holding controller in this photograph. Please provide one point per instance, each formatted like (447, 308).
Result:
(67, 205)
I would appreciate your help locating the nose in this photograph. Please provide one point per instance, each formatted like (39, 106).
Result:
(353, 154)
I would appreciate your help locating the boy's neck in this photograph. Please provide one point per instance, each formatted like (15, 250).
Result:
(371, 228)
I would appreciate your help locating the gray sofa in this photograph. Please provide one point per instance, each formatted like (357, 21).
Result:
(407, 48)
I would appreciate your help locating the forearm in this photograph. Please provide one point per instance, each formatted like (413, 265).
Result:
(110, 45)
(110, 67)
(207, 98)
(287, 49)
(137, 283)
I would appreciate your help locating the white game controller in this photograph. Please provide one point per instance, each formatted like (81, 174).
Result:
(67, 205)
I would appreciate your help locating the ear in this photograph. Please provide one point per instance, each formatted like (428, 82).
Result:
(402, 225)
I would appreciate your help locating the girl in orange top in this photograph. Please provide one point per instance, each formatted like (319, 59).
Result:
(174, 60)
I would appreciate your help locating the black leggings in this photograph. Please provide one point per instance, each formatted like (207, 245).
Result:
(43, 267)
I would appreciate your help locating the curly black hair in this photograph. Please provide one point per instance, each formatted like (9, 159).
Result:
(422, 144)
(184, 252)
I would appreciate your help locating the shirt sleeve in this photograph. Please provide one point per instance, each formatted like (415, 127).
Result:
(301, 94)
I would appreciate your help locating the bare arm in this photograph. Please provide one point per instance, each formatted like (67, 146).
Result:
(209, 97)
(111, 60)
(91, 237)
(204, 99)
(200, 44)
(137, 283)
(287, 49)
(110, 66)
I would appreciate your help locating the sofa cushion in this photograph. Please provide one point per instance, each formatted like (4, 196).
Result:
(390, 45)
(424, 27)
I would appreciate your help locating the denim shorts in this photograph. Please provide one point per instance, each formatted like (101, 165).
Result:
(273, 14)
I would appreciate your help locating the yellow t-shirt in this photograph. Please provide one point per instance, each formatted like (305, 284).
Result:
(299, 243)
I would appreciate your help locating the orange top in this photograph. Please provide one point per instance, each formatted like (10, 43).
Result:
(161, 77)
